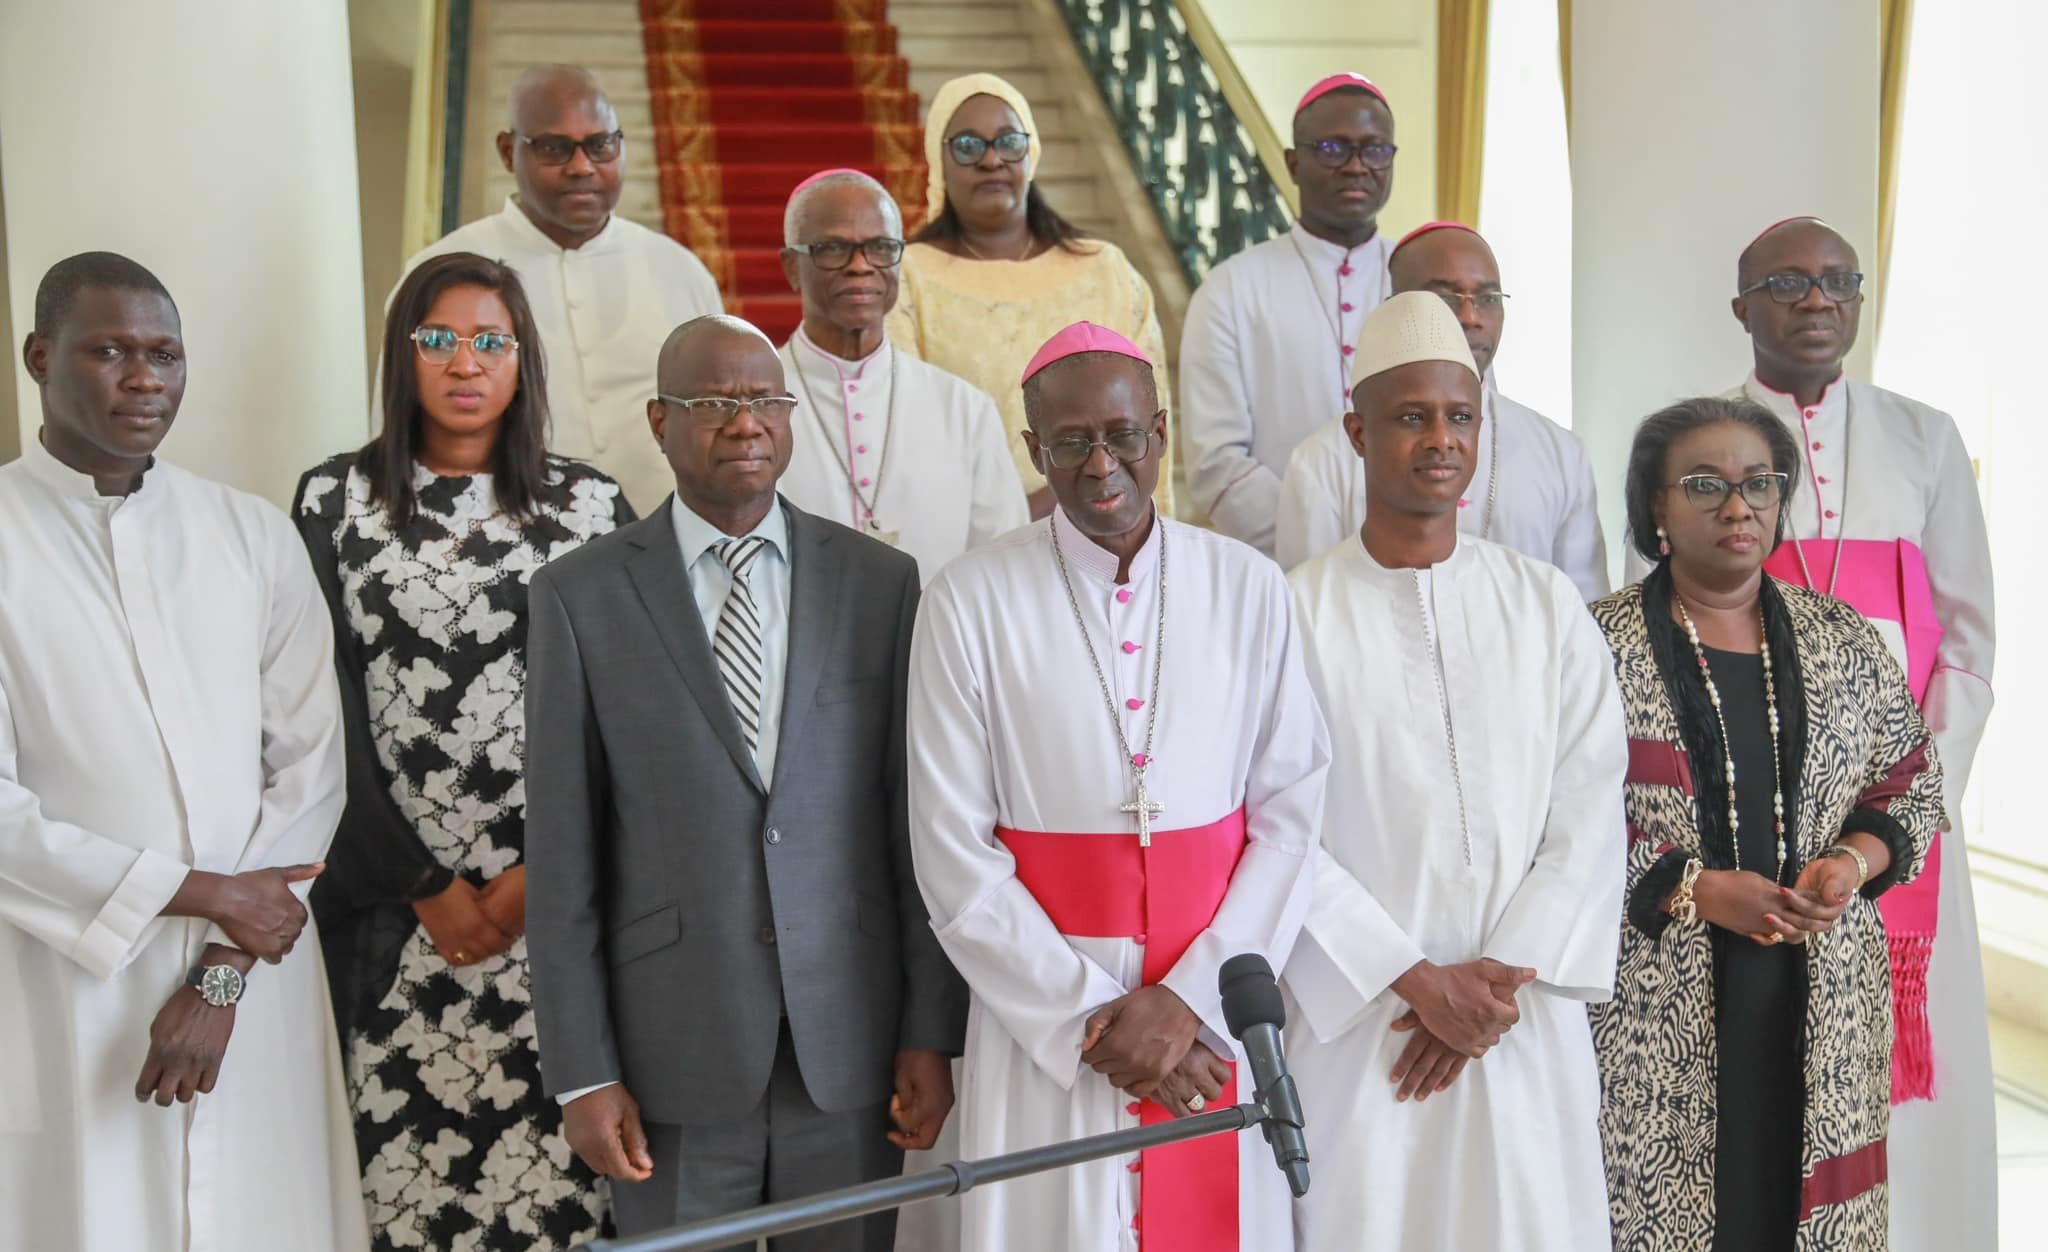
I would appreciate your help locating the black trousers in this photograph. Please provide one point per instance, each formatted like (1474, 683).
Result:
(783, 1149)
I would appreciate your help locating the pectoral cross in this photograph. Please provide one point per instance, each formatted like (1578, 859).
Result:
(1144, 808)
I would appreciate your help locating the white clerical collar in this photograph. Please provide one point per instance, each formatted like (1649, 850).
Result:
(1833, 398)
(696, 536)
(522, 226)
(1318, 248)
(68, 482)
(843, 368)
(1098, 562)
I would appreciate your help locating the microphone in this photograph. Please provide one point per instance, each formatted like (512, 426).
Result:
(1255, 1013)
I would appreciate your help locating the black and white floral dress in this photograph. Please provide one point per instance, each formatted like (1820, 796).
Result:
(460, 1148)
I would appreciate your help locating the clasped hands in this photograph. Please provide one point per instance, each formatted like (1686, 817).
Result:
(1752, 905)
(262, 917)
(469, 923)
(1144, 1043)
(1456, 1012)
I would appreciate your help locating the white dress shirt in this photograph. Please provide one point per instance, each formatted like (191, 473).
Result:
(924, 447)
(603, 311)
(1265, 359)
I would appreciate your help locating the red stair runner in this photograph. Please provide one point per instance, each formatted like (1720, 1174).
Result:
(752, 96)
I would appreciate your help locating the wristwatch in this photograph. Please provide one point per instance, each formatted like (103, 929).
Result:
(218, 985)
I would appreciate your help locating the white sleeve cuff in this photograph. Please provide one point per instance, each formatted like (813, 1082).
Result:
(567, 1096)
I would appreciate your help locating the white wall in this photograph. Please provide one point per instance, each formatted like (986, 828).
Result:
(1525, 205)
(215, 144)
(1693, 126)
(1281, 47)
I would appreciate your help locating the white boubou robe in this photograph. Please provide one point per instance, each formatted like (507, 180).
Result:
(1265, 360)
(603, 311)
(927, 451)
(1878, 469)
(1544, 502)
(1509, 1155)
(1008, 729)
(167, 702)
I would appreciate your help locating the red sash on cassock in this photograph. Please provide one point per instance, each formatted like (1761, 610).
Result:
(1887, 580)
(1161, 897)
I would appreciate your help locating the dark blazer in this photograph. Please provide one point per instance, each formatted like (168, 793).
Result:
(676, 906)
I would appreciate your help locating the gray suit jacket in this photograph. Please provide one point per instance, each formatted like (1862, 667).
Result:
(676, 905)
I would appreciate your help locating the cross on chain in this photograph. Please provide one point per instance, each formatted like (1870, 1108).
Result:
(1144, 808)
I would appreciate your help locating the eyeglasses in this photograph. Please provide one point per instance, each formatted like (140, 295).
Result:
(1128, 446)
(1790, 287)
(560, 149)
(717, 412)
(1335, 154)
(437, 345)
(1485, 301)
(1710, 491)
(967, 148)
(882, 252)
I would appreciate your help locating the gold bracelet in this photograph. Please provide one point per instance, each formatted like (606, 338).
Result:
(1862, 865)
(1682, 907)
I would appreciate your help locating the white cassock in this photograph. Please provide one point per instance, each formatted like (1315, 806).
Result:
(1265, 359)
(1509, 1155)
(167, 703)
(1880, 468)
(603, 311)
(923, 447)
(1008, 729)
(1536, 496)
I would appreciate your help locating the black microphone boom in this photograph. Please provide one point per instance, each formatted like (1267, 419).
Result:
(1255, 1013)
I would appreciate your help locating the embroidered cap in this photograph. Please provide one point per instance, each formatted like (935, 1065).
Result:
(1088, 337)
(1409, 327)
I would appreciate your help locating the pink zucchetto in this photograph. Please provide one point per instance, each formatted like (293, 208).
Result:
(1430, 228)
(1342, 82)
(1783, 221)
(1079, 338)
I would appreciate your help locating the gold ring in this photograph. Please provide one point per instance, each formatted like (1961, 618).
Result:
(1197, 1102)
(1777, 937)
(459, 957)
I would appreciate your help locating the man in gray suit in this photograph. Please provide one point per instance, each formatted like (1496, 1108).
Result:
(738, 992)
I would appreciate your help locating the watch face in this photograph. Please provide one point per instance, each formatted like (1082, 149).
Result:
(220, 985)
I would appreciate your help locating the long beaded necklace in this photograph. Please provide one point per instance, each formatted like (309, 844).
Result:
(1728, 746)
(1141, 806)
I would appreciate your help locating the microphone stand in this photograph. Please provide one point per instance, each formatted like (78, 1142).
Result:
(954, 1178)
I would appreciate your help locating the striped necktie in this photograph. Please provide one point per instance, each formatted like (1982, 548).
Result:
(736, 641)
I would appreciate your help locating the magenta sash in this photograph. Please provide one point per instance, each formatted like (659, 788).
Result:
(1887, 579)
(1162, 897)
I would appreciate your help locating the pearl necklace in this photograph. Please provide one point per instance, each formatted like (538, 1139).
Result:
(1727, 745)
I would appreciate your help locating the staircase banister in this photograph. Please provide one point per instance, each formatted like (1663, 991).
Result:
(1237, 93)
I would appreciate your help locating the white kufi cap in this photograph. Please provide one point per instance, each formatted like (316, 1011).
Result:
(1413, 326)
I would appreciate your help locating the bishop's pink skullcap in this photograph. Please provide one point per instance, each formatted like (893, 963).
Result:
(1339, 82)
(1078, 338)
(1431, 227)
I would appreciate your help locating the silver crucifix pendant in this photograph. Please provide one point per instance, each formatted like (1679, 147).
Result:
(1144, 808)
(890, 537)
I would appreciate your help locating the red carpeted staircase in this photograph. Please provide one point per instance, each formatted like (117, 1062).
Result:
(752, 96)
